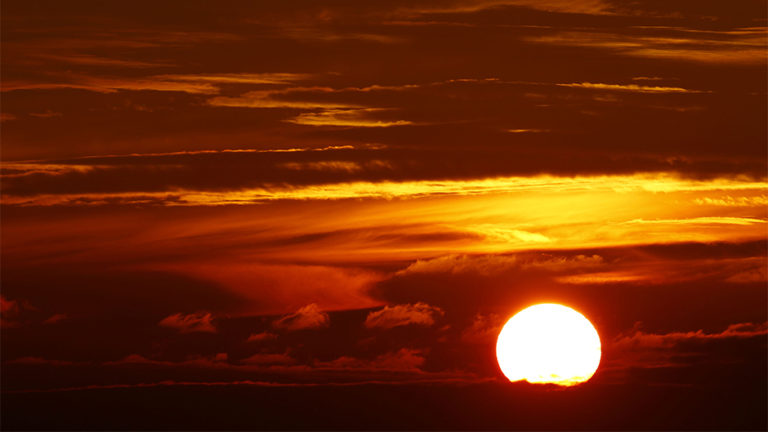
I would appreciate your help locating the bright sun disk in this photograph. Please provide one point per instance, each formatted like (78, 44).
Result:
(548, 343)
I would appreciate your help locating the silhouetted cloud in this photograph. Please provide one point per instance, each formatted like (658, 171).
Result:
(189, 323)
(409, 360)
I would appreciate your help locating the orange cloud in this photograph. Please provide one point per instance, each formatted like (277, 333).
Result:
(497, 264)
(346, 118)
(630, 88)
(401, 315)
(643, 182)
(268, 99)
(111, 85)
(743, 46)
(186, 83)
(307, 317)
(239, 78)
(194, 322)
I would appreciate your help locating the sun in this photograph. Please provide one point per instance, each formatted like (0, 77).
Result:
(548, 343)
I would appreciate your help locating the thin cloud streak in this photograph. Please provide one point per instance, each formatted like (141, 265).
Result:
(631, 88)
(659, 183)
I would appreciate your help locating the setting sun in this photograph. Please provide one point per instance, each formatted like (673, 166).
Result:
(548, 343)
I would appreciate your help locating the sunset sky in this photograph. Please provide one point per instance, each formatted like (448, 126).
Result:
(318, 214)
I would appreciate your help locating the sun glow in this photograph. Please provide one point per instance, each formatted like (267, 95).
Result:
(548, 343)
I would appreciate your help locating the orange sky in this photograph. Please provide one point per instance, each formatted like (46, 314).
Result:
(220, 192)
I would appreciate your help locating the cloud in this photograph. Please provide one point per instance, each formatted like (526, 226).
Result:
(608, 277)
(756, 274)
(8, 306)
(194, 322)
(630, 88)
(15, 313)
(429, 379)
(260, 337)
(346, 118)
(218, 360)
(186, 83)
(651, 182)
(344, 166)
(269, 99)
(485, 328)
(497, 264)
(729, 201)
(239, 78)
(500, 232)
(639, 350)
(404, 360)
(15, 170)
(743, 46)
(307, 317)
(641, 340)
(590, 7)
(340, 114)
(93, 60)
(402, 315)
(518, 131)
(111, 85)
(706, 220)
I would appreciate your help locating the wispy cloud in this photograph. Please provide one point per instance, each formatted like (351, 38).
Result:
(730, 201)
(657, 183)
(707, 220)
(208, 84)
(240, 78)
(268, 99)
(517, 131)
(590, 7)
(94, 60)
(346, 118)
(630, 88)
(740, 47)
(111, 85)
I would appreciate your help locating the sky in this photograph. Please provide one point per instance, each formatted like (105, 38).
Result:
(241, 211)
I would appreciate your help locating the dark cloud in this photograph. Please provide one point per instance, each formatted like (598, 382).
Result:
(196, 322)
